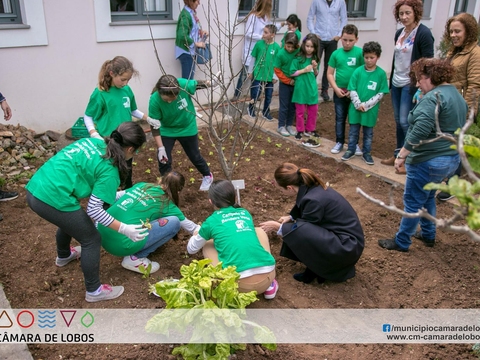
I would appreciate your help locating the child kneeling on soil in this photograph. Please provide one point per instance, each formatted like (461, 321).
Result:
(236, 242)
(156, 206)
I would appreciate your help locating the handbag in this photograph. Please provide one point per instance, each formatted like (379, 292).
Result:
(203, 54)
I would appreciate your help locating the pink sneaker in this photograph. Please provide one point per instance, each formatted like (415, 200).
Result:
(270, 293)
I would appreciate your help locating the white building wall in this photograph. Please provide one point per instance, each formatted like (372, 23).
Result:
(49, 69)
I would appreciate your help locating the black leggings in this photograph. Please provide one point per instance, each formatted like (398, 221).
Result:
(190, 146)
(75, 224)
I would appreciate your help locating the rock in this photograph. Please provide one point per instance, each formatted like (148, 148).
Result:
(53, 135)
(14, 173)
(37, 153)
(6, 133)
(7, 143)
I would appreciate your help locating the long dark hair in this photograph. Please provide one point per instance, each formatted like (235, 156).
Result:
(222, 194)
(128, 134)
(290, 174)
(295, 20)
(167, 85)
(316, 45)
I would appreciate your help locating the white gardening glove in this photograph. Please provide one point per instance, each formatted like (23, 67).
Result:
(153, 122)
(133, 232)
(96, 135)
(162, 155)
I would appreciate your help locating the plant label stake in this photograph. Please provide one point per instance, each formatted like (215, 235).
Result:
(238, 185)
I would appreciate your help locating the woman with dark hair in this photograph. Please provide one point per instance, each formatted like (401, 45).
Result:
(412, 42)
(92, 168)
(229, 236)
(427, 161)
(461, 33)
(189, 35)
(322, 231)
(155, 206)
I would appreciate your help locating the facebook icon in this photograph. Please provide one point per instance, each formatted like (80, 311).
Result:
(386, 327)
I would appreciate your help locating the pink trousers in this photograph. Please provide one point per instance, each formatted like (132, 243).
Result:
(311, 117)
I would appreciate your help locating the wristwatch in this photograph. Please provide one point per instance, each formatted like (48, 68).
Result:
(401, 157)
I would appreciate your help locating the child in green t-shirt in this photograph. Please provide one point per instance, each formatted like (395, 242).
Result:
(294, 25)
(282, 63)
(171, 103)
(367, 86)
(156, 207)
(261, 71)
(229, 236)
(113, 102)
(341, 66)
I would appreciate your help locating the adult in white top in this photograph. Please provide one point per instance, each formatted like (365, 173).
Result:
(256, 20)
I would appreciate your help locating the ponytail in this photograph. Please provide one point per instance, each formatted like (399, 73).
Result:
(290, 174)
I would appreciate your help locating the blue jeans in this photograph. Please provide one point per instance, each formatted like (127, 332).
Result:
(415, 197)
(354, 134)
(241, 79)
(402, 104)
(162, 230)
(286, 111)
(341, 113)
(256, 91)
(188, 66)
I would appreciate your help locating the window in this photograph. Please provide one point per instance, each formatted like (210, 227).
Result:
(356, 8)
(460, 6)
(136, 10)
(246, 5)
(10, 12)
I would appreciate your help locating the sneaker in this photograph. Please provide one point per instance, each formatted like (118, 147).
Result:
(266, 115)
(8, 195)
(348, 155)
(444, 196)
(282, 130)
(311, 143)
(368, 159)
(390, 244)
(107, 292)
(427, 242)
(314, 134)
(206, 182)
(291, 129)
(337, 148)
(358, 151)
(75, 253)
(299, 135)
(215, 80)
(133, 263)
(270, 293)
(251, 112)
(308, 133)
(325, 96)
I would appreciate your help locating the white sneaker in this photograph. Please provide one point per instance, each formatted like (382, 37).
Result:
(206, 182)
(133, 263)
(283, 131)
(75, 253)
(107, 292)
(291, 129)
(358, 152)
(337, 148)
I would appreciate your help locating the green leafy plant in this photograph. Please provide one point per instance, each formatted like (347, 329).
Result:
(210, 288)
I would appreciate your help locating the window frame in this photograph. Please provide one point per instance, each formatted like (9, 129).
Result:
(244, 12)
(127, 16)
(15, 17)
(464, 8)
(357, 13)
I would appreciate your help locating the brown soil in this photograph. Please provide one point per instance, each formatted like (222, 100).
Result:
(441, 277)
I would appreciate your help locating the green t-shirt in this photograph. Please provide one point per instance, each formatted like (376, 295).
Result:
(141, 202)
(345, 63)
(305, 90)
(283, 60)
(235, 239)
(75, 173)
(297, 32)
(111, 108)
(367, 84)
(264, 55)
(178, 117)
